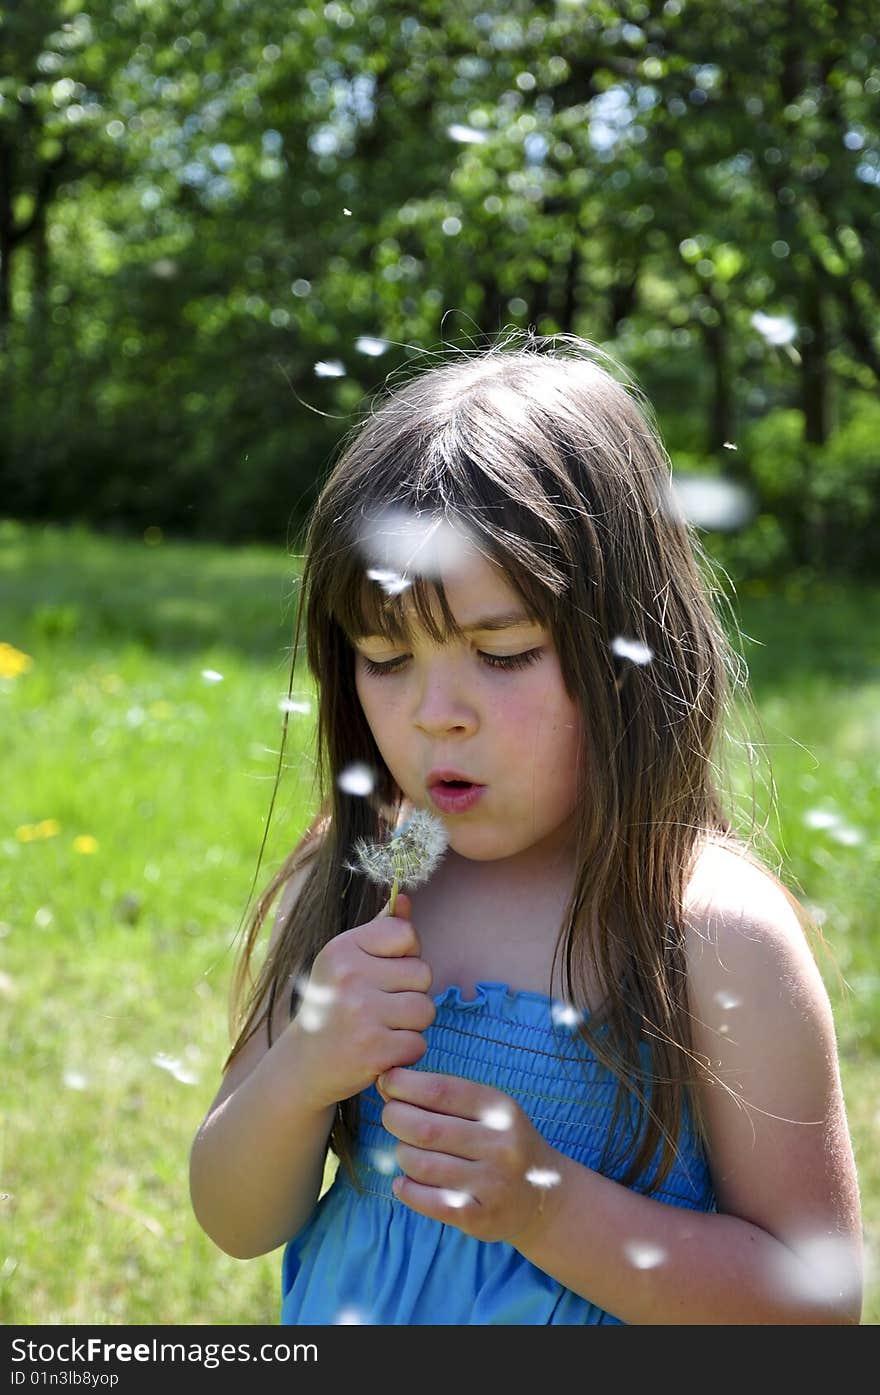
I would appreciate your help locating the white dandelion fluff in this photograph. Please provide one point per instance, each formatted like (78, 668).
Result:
(314, 1002)
(644, 1256)
(384, 1160)
(409, 856)
(499, 1117)
(632, 649)
(543, 1177)
(211, 675)
(821, 818)
(564, 1015)
(357, 779)
(392, 583)
(456, 1199)
(350, 1317)
(410, 543)
(727, 1000)
(291, 705)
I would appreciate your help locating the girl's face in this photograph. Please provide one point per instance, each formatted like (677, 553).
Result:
(509, 726)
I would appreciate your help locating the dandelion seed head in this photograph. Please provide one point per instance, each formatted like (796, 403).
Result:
(409, 856)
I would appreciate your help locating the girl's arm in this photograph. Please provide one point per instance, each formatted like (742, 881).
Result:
(257, 1161)
(785, 1247)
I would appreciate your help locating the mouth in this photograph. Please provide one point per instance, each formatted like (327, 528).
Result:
(455, 796)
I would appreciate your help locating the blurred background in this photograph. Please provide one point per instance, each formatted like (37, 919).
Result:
(223, 227)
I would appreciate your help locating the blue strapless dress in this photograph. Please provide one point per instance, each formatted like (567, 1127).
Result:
(369, 1258)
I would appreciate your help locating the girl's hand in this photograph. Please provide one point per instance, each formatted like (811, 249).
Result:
(471, 1155)
(364, 1007)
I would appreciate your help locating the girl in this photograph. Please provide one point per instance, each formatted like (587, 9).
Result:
(587, 1071)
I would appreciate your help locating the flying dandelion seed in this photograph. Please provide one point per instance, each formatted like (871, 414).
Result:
(821, 818)
(466, 135)
(709, 502)
(644, 1256)
(331, 368)
(175, 1068)
(392, 584)
(314, 1002)
(76, 1080)
(728, 445)
(543, 1177)
(357, 779)
(406, 543)
(775, 329)
(350, 1317)
(727, 1000)
(564, 1015)
(820, 1269)
(211, 675)
(850, 836)
(499, 1117)
(456, 1199)
(289, 705)
(347, 212)
(632, 649)
(366, 344)
(383, 1160)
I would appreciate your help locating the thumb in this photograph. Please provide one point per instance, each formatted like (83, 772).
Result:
(402, 906)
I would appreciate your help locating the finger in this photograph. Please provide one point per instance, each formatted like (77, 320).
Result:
(439, 1203)
(440, 1133)
(446, 1094)
(414, 1011)
(387, 937)
(405, 975)
(437, 1169)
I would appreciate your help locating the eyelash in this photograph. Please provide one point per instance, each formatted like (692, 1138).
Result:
(505, 662)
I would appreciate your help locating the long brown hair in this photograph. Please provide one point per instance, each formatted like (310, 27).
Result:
(557, 468)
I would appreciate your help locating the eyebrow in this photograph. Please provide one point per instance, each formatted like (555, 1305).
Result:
(512, 620)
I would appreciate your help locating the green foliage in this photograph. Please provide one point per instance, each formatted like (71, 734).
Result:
(200, 207)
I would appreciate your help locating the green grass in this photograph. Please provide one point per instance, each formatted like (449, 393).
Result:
(115, 955)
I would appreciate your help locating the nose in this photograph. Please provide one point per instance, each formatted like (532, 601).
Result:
(441, 702)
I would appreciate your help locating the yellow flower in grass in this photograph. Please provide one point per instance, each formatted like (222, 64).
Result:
(85, 843)
(13, 661)
(30, 832)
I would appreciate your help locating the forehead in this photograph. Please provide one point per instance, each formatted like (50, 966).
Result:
(477, 593)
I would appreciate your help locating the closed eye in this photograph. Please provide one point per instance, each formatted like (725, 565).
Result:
(499, 661)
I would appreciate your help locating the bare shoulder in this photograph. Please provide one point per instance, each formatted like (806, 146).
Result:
(762, 1026)
(755, 989)
(737, 912)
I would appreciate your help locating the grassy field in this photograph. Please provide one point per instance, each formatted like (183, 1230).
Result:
(139, 739)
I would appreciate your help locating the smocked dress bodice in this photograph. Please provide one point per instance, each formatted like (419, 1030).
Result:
(368, 1258)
